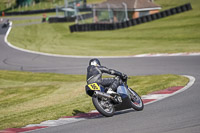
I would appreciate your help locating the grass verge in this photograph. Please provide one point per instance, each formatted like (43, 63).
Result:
(9, 5)
(27, 98)
(178, 33)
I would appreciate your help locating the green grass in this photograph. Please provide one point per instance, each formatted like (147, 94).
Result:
(38, 6)
(178, 33)
(28, 98)
(19, 22)
(4, 4)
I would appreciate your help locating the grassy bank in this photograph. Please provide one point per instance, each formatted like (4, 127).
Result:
(178, 33)
(27, 98)
(43, 4)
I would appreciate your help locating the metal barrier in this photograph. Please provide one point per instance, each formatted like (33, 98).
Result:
(39, 11)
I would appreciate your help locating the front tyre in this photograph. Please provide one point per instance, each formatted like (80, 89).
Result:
(136, 101)
(103, 106)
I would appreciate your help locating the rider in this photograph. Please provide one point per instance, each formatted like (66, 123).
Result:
(94, 75)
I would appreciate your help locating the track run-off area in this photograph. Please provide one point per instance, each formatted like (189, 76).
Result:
(176, 114)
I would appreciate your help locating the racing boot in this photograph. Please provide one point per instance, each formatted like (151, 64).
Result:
(110, 91)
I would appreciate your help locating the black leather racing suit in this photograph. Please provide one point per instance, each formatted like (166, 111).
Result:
(94, 75)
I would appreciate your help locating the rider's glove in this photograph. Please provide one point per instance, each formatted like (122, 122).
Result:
(124, 76)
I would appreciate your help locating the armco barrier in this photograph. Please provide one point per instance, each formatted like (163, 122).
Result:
(39, 11)
(131, 22)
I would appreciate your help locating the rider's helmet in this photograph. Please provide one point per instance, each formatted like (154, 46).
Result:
(94, 62)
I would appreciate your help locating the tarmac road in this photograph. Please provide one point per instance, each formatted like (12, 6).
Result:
(177, 114)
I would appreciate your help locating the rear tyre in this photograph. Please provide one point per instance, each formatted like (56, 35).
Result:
(103, 106)
(136, 101)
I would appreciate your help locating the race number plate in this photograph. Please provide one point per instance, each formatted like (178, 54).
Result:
(94, 86)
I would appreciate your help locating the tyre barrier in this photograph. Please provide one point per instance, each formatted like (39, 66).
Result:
(30, 12)
(68, 19)
(61, 19)
(131, 22)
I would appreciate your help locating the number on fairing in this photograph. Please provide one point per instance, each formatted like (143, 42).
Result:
(94, 86)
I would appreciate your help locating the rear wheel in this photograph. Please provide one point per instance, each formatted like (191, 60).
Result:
(104, 106)
(136, 100)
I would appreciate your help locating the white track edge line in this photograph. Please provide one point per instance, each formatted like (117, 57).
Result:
(190, 83)
(71, 56)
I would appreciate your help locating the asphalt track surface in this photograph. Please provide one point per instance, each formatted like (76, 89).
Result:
(177, 114)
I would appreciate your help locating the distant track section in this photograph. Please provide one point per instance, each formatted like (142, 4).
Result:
(132, 22)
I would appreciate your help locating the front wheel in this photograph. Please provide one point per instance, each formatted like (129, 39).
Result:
(136, 101)
(103, 106)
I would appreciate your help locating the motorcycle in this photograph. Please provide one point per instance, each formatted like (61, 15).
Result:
(107, 104)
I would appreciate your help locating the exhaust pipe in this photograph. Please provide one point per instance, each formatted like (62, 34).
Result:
(101, 94)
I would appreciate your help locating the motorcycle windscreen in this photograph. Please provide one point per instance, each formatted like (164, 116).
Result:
(122, 91)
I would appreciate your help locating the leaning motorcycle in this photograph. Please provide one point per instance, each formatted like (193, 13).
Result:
(107, 104)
